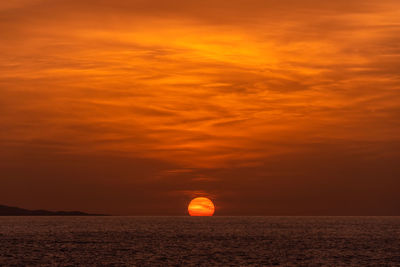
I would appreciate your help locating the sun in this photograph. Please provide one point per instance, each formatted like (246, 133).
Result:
(201, 206)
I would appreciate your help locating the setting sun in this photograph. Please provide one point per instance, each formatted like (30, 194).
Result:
(201, 206)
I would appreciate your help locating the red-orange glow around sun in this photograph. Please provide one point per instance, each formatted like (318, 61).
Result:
(201, 206)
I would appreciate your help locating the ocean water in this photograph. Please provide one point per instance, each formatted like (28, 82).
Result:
(200, 241)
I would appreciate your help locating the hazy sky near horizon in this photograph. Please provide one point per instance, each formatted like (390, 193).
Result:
(267, 107)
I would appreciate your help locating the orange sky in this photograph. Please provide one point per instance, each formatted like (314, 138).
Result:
(267, 107)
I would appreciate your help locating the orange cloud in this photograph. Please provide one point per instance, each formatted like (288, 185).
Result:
(203, 86)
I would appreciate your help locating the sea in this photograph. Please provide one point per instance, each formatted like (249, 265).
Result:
(199, 241)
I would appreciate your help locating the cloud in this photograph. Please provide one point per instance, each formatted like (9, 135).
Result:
(202, 86)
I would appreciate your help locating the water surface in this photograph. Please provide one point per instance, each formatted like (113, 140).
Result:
(207, 241)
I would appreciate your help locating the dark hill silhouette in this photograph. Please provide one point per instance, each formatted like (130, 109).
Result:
(15, 211)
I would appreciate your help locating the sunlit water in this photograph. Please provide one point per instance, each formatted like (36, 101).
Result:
(154, 241)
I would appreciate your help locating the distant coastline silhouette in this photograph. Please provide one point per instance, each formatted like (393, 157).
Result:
(15, 211)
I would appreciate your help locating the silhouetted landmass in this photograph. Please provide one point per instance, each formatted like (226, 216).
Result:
(15, 211)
